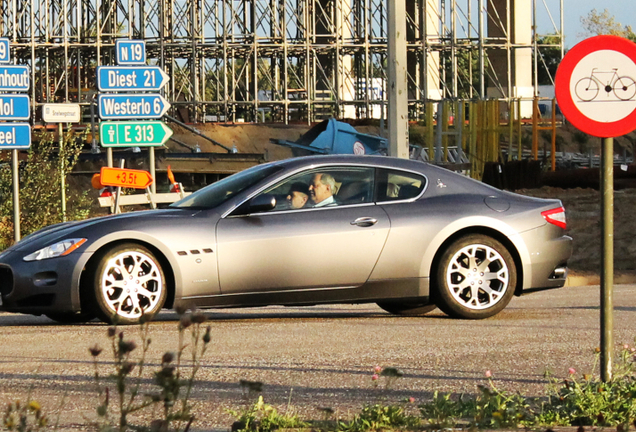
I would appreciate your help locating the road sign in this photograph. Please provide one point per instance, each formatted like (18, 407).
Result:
(132, 106)
(15, 136)
(130, 52)
(134, 134)
(14, 107)
(130, 78)
(596, 86)
(4, 50)
(130, 178)
(61, 113)
(14, 78)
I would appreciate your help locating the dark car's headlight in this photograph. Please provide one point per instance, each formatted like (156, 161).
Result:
(61, 248)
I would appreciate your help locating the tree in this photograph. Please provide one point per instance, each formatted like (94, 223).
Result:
(40, 187)
(602, 23)
(550, 52)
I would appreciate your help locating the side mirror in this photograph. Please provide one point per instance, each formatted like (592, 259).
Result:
(261, 203)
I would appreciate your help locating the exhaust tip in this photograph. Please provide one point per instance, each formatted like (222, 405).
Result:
(561, 272)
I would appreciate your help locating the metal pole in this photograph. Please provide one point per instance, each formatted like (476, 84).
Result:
(62, 161)
(397, 80)
(482, 67)
(607, 263)
(153, 186)
(16, 196)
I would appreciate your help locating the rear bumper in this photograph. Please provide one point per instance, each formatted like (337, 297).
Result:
(547, 266)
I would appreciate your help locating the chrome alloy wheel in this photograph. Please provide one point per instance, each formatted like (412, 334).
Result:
(131, 284)
(477, 276)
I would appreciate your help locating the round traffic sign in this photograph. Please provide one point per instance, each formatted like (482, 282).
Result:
(595, 86)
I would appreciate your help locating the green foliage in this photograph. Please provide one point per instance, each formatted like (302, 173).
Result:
(22, 417)
(379, 417)
(603, 23)
(497, 409)
(549, 60)
(40, 187)
(174, 385)
(442, 412)
(588, 401)
(262, 417)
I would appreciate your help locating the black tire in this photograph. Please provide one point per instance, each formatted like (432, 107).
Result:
(462, 272)
(113, 300)
(407, 309)
(71, 317)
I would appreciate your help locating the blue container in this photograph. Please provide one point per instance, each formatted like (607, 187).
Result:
(334, 137)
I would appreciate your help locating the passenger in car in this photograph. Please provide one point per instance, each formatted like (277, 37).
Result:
(321, 190)
(298, 195)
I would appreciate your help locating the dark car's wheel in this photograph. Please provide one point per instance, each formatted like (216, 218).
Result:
(71, 317)
(128, 282)
(476, 278)
(407, 309)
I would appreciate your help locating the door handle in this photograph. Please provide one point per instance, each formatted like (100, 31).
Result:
(364, 221)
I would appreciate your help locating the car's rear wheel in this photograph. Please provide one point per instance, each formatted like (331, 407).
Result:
(407, 309)
(71, 317)
(476, 278)
(128, 283)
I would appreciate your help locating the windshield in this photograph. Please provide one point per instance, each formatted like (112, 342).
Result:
(221, 191)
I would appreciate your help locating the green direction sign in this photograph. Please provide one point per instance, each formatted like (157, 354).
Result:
(134, 133)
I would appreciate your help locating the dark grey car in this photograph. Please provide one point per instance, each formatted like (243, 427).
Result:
(325, 229)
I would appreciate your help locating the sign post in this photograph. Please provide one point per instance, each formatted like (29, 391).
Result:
(596, 90)
(14, 136)
(61, 113)
(132, 75)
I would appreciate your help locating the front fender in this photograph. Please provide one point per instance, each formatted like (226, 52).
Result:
(135, 237)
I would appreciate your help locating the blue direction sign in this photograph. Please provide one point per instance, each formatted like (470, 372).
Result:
(130, 52)
(130, 78)
(14, 78)
(15, 136)
(4, 50)
(132, 106)
(14, 107)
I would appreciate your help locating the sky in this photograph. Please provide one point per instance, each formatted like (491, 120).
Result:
(623, 10)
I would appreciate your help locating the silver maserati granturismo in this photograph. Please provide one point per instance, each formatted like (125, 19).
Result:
(406, 235)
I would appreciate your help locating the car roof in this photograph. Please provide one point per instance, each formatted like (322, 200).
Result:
(381, 161)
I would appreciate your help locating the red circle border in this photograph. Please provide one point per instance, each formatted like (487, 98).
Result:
(562, 86)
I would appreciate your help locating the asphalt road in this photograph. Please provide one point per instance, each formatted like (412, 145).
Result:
(324, 356)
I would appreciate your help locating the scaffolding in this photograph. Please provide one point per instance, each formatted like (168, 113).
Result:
(282, 60)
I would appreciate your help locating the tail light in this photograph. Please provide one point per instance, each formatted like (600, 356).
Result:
(556, 217)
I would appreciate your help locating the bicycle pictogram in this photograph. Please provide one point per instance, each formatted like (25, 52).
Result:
(588, 88)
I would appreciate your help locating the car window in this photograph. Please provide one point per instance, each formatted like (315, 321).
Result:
(324, 187)
(221, 191)
(396, 185)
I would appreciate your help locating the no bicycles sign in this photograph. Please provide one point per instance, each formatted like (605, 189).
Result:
(596, 86)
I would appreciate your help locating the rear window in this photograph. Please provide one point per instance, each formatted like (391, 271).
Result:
(396, 185)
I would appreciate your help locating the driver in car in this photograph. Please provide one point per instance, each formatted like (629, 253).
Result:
(298, 195)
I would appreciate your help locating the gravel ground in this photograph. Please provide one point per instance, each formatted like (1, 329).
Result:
(323, 356)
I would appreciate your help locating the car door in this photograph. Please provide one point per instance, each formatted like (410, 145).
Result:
(333, 246)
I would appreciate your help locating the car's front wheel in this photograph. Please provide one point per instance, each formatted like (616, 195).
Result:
(128, 283)
(476, 278)
(407, 309)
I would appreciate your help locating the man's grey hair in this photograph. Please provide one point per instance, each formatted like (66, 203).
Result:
(327, 179)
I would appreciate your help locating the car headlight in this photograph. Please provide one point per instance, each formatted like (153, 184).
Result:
(61, 248)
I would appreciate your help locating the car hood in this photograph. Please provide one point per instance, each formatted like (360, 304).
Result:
(61, 231)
